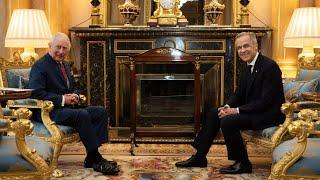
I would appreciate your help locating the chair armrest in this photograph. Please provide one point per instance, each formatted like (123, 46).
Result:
(289, 109)
(46, 107)
(25, 103)
(23, 127)
(83, 99)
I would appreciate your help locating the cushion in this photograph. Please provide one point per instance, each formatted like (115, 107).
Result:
(40, 130)
(3, 123)
(12, 160)
(308, 164)
(293, 89)
(307, 75)
(15, 76)
(28, 101)
(265, 133)
(23, 82)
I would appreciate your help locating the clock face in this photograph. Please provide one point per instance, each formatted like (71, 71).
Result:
(167, 4)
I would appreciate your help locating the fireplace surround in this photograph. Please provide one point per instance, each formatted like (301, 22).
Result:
(104, 59)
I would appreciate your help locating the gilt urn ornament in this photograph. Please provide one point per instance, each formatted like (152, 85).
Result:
(129, 12)
(213, 10)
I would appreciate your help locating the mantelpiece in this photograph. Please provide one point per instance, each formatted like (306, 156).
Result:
(104, 56)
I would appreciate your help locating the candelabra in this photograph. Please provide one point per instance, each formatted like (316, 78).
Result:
(244, 15)
(95, 14)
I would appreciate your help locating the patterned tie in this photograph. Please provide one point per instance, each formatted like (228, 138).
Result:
(63, 71)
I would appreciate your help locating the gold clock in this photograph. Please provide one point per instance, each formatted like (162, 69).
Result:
(167, 13)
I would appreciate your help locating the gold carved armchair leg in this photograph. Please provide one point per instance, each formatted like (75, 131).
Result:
(56, 136)
(21, 128)
(300, 129)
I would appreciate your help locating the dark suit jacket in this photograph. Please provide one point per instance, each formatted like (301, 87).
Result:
(261, 94)
(48, 83)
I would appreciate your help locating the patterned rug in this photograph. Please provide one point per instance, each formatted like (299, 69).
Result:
(159, 168)
(162, 149)
(156, 162)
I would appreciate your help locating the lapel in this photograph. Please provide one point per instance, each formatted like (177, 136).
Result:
(251, 77)
(58, 72)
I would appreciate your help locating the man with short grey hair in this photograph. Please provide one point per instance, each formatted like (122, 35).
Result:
(255, 105)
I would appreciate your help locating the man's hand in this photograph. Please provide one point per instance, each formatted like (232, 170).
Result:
(225, 111)
(71, 99)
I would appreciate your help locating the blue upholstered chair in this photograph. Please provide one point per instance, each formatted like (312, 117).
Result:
(307, 80)
(22, 156)
(16, 75)
(299, 157)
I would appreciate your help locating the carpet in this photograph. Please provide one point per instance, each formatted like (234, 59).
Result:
(159, 168)
(156, 162)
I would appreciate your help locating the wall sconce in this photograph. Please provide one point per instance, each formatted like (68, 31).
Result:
(304, 32)
(28, 29)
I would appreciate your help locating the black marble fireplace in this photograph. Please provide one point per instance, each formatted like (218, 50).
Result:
(165, 92)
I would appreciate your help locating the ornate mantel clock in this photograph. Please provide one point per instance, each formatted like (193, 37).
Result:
(167, 13)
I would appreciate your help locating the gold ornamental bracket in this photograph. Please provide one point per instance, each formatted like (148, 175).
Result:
(167, 13)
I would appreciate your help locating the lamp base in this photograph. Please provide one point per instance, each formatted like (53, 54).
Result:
(29, 55)
(307, 57)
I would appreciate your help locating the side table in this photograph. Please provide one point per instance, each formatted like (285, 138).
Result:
(12, 94)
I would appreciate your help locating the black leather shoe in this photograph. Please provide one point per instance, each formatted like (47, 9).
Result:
(105, 168)
(193, 161)
(237, 168)
(88, 163)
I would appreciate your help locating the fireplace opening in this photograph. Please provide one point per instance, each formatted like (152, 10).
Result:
(165, 99)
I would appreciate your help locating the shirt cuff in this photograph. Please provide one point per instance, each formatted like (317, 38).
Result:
(226, 106)
(62, 102)
(238, 110)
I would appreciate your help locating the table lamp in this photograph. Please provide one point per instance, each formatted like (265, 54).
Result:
(304, 32)
(28, 29)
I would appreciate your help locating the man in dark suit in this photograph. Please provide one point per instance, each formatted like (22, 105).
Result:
(255, 105)
(51, 79)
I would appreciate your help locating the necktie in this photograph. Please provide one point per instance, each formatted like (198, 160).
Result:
(63, 71)
(249, 69)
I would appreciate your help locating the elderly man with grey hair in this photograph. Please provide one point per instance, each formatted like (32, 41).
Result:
(51, 79)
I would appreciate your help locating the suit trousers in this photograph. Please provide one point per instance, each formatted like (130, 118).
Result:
(90, 122)
(231, 127)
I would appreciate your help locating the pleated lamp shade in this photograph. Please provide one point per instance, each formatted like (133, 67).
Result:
(304, 28)
(29, 29)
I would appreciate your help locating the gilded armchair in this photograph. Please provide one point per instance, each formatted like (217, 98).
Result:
(299, 157)
(15, 74)
(22, 156)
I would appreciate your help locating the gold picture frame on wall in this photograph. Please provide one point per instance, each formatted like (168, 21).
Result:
(110, 15)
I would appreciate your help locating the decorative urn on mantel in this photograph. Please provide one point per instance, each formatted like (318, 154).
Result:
(129, 12)
(213, 10)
